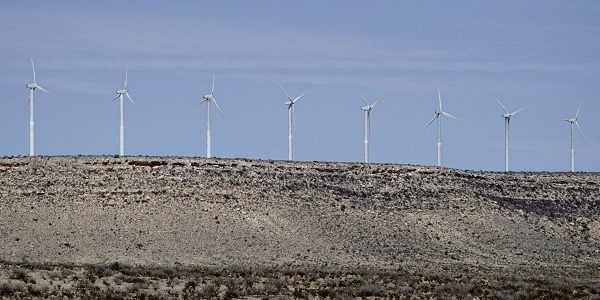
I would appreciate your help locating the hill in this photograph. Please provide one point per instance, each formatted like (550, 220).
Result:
(319, 217)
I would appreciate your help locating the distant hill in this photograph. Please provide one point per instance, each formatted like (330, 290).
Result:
(287, 215)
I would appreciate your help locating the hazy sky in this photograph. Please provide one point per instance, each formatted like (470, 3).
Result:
(541, 55)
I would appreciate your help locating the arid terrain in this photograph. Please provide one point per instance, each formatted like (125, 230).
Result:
(169, 227)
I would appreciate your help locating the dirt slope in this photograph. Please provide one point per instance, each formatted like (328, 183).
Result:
(214, 212)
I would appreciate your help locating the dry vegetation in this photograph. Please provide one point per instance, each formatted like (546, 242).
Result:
(192, 228)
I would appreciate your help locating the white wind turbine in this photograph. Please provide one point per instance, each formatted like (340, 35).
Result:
(291, 118)
(573, 121)
(208, 99)
(32, 87)
(367, 109)
(119, 96)
(439, 126)
(507, 116)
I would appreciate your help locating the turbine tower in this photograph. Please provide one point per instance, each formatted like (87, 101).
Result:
(506, 116)
(32, 87)
(439, 126)
(291, 118)
(208, 99)
(119, 96)
(573, 121)
(367, 109)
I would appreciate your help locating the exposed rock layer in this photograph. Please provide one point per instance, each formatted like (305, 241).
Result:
(207, 212)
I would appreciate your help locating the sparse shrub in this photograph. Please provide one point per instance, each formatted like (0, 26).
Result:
(84, 285)
(118, 279)
(505, 295)
(163, 272)
(352, 281)
(208, 291)
(6, 289)
(343, 296)
(19, 274)
(135, 287)
(111, 294)
(234, 288)
(116, 266)
(191, 284)
(299, 293)
(34, 291)
(279, 283)
(325, 293)
(189, 290)
(266, 289)
(454, 289)
(101, 270)
(372, 290)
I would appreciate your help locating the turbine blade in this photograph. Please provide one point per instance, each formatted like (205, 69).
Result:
(28, 100)
(115, 98)
(298, 98)
(43, 90)
(217, 105)
(516, 112)
(580, 132)
(373, 105)
(364, 99)
(578, 107)
(202, 101)
(451, 116)
(33, 69)
(288, 96)
(127, 94)
(212, 91)
(432, 119)
(125, 79)
(439, 98)
(504, 108)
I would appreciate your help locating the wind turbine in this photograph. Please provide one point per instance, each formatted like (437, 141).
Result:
(439, 126)
(291, 118)
(119, 96)
(506, 116)
(574, 121)
(367, 109)
(208, 99)
(32, 87)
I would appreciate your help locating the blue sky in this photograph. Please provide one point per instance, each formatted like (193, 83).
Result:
(541, 55)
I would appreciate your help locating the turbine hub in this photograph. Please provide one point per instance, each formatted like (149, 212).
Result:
(31, 86)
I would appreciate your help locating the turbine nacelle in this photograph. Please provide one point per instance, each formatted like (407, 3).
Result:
(31, 86)
(207, 97)
(288, 103)
(121, 92)
(366, 108)
(507, 115)
(572, 120)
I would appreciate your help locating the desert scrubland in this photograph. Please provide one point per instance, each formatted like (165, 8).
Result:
(171, 227)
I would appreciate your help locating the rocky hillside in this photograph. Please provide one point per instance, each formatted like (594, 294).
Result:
(275, 214)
